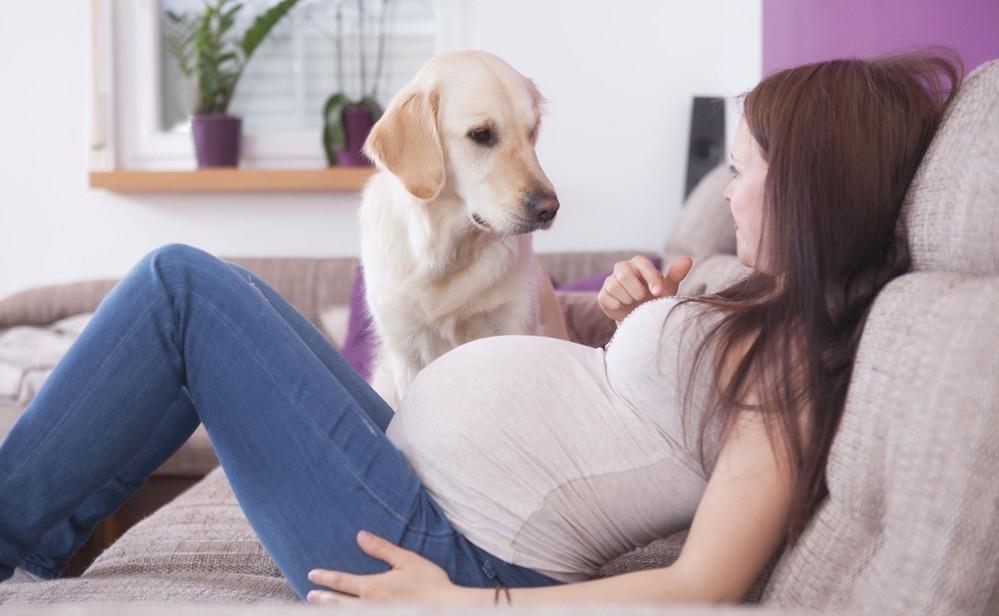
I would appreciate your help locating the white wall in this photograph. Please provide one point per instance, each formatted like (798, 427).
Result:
(619, 78)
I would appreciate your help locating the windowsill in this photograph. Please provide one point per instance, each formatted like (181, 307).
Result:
(233, 180)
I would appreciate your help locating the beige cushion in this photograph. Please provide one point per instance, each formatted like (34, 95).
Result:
(664, 552)
(704, 226)
(310, 284)
(202, 541)
(208, 606)
(48, 303)
(705, 231)
(911, 525)
(9, 415)
(199, 547)
(711, 274)
(951, 212)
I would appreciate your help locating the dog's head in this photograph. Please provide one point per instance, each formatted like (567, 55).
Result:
(469, 121)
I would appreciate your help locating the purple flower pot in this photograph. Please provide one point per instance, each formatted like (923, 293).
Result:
(357, 123)
(216, 139)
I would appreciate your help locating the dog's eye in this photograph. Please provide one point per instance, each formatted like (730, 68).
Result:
(482, 136)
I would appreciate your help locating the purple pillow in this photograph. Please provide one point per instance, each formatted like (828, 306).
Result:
(359, 345)
(595, 283)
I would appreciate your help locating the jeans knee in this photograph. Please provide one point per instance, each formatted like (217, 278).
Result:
(175, 263)
(178, 252)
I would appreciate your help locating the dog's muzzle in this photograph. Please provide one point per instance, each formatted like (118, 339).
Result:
(541, 208)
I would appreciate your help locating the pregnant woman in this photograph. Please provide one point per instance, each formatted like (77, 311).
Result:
(521, 462)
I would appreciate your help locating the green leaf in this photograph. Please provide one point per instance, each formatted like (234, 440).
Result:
(217, 61)
(334, 135)
(178, 36)
(231, 13)
(262, 26)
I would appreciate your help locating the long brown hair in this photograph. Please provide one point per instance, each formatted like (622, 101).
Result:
(842, 140)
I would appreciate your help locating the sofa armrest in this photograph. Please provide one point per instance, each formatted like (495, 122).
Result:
(310, 284)
(47, 304)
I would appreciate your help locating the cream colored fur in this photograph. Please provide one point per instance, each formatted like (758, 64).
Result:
(434, 277)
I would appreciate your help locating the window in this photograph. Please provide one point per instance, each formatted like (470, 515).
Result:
(141, 99)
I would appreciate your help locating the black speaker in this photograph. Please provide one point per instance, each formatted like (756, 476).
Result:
(707, 139)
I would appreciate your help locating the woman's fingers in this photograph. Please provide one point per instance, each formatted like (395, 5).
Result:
(637, 280)
(326, 597)
(383, 549)
(613, 289)
(336, 580)
(678, 270)
(634, 286)
(630, 281)
(650, 274)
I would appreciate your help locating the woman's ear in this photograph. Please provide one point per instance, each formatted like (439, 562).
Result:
(405, 141)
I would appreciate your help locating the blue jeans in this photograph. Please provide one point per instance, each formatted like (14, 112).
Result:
(183, 338)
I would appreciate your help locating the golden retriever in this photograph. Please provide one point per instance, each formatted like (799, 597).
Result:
(446, 222)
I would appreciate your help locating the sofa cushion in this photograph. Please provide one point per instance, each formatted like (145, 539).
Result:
(711, 274)
(664, 552)
(202, 540)
(910, 524)
(48, 303)
(950, 213)
(8, 415)
(210, 606)
(704, 225)
(310, 284)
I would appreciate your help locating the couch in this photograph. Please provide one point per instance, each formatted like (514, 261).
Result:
(911, 524)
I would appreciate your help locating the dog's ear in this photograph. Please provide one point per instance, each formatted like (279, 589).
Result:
(406, 142)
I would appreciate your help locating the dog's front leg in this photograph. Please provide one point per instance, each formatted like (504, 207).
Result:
(383, 381)
(404, 371)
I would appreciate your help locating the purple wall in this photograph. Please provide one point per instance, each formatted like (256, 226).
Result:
(802, 31)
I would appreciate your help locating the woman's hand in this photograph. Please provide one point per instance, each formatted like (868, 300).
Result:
(411, 579)
(637, 280)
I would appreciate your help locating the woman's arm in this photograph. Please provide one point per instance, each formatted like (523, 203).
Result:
(663, 585)
(551, 315)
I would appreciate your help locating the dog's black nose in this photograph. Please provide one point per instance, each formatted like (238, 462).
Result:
(542, 205)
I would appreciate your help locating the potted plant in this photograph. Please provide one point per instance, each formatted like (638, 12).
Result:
(205, 51)
(347, 121)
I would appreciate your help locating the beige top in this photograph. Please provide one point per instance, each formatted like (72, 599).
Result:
(558, 456)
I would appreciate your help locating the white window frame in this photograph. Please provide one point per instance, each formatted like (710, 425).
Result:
(126, 130)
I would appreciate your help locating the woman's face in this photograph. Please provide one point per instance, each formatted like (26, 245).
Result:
(744, 194)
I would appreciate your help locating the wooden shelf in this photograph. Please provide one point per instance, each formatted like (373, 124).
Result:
(233, 180)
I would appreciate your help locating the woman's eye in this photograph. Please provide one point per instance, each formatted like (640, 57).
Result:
(482, 136)
(733, 170)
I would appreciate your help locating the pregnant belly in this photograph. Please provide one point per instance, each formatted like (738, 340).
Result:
(510, 418)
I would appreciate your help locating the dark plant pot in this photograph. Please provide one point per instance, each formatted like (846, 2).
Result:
(357, 123)
(216, 139)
